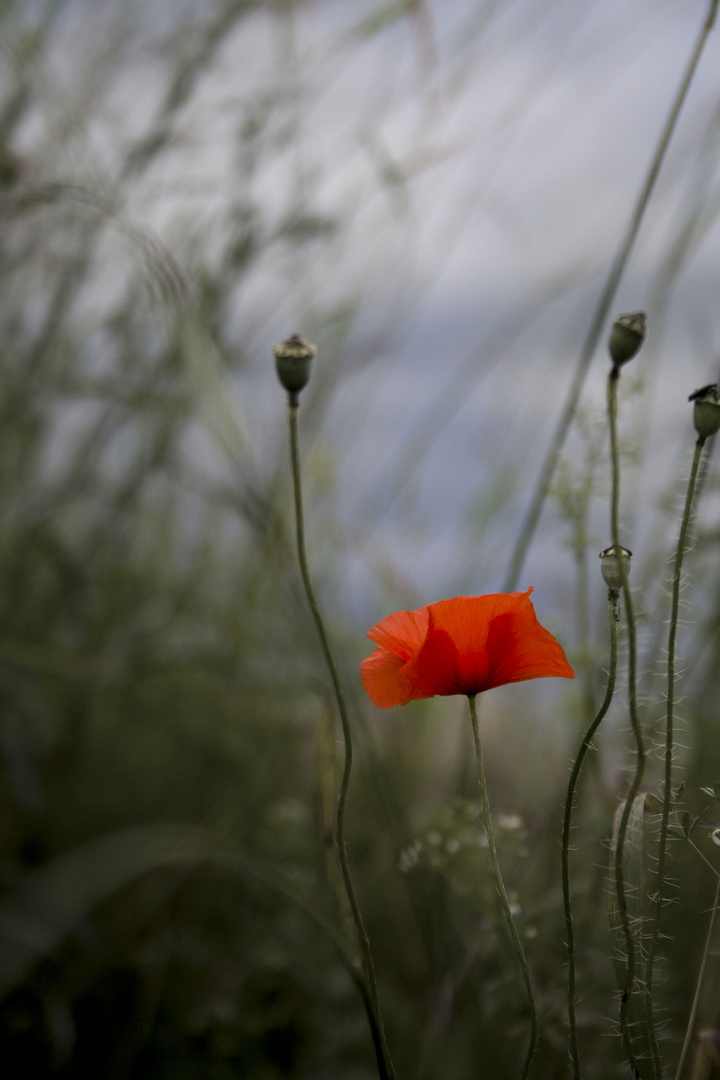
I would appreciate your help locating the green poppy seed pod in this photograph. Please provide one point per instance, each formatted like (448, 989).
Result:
(610, 566)
(292, 360)
(706, 413)
(626, 337)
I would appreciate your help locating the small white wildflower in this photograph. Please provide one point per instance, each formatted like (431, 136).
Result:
(511, 822)
(409, 856)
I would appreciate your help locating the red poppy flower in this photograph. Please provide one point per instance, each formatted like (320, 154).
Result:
(460, 646)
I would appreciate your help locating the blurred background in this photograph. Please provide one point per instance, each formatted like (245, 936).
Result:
(433, 193)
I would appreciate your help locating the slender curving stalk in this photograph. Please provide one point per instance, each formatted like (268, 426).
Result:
(638, 773)
(698, 988)
(501, 888)
(547, 470)
(384, 1063)
(669, 720)
(567, 825)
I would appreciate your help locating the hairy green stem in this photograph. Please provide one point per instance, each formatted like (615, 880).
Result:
(698, 988)
(384, 1063)
(547, 470)
(567, 825)
(639, 770)
(501, 888)
(713, 870)
(669, 721)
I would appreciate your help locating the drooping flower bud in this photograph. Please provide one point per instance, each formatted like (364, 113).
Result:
(610, 562)
(706, 413)
(626, 337)
(292, 360)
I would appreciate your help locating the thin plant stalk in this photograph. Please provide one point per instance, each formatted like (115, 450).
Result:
(669, 721)
(703, 856)
(384, 1063)
(639, 770)
(567, 825)
(487, 820)
(547, 470)
(698, 988)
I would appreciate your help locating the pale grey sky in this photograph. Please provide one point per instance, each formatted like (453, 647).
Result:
(481, 162)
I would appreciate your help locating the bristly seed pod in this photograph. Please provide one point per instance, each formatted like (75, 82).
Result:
(610, 566)
(292, 360)
(626, 337)
(706, 413)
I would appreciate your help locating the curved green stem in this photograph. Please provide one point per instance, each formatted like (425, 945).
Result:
(547, 470)
(567, 825)
(630, 976)
(669, 721)
(384, 1063)
(501, 888)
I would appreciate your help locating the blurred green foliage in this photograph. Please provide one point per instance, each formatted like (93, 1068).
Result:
(168, 748)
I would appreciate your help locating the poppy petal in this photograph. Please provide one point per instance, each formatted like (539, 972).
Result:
(434, 670)
(519, 648)
(402, 633)
(466, 620)
(379, 674)
(460, 646)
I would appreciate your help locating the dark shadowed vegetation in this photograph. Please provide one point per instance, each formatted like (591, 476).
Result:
(183, 185)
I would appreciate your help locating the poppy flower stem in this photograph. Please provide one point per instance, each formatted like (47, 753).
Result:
(567, 825)
(670, 707)
(384, 1063)
(501, 888)
(620, 888)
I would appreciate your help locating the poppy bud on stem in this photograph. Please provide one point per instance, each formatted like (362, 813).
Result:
(610, 566)
(613, 574)
(626, 338)
(706, 413)
(293, 359)
(621, 565)
(569, 804)
(706, 418)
